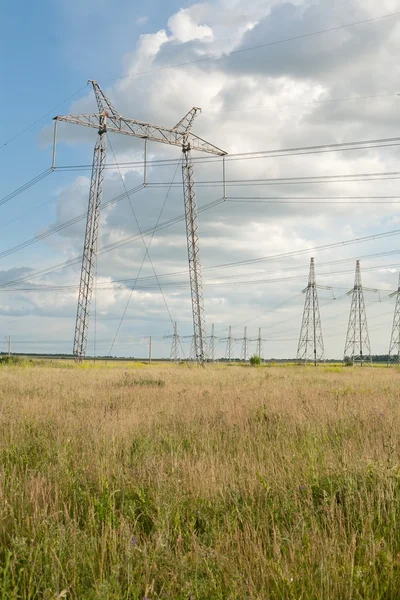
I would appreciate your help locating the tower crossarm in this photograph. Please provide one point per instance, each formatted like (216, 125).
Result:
(365, 289)
(147, 131)
(103, 103)
(186, 123)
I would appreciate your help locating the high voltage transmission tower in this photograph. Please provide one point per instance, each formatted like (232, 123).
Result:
(212, 344)
(174, 355)
(245, 345)
(311, 343)
(260, 341)
(358, 347)
(394, 348)
(109, 120)
(229, 345)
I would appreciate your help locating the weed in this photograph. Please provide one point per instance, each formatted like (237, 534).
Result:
(207, 484)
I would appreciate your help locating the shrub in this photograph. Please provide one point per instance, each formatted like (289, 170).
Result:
(10, 360)
(255, 360)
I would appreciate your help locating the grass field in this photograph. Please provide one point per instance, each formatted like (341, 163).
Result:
(176, 482)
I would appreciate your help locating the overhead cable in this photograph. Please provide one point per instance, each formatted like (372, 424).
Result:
(46, 114)
(257, 154)
(258, 46)
(25, 186)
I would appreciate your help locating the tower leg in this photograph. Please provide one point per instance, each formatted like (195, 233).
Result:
(192, 233)
(90, 247)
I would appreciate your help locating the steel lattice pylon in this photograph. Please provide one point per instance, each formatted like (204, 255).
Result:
(192, 234)
(260, 341)
(175, 344)
(394, 348)
(212, 344)
(229, 344)
(108, 119)
(245, 346)
(357, 348)
(90, 247)
(311, 344)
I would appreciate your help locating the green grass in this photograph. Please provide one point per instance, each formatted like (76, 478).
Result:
(216, 483)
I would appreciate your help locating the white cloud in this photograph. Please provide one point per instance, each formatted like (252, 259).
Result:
(286, 79)
(142, 20)
(185, 25)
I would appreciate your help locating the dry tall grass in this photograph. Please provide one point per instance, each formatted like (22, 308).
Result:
(186, 483)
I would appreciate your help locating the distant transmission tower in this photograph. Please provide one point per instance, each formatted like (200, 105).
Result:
(212, 344)
(394, 348)
(311, 344)
(260, 341)
(174, 355)
(229, 345)
(357, 347)
(192, 352)
(245, 346)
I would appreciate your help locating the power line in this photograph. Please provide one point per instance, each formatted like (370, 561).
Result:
(148, 278)
(41, 118)
(38, 207)
(272, 153)
(332, 101)
(110, 247)
(219, 283)
(64, 225)
(320, 200)
(147, 248)
(222, 280)
(256, 47)
(210, 58)
(307, 250)
(303, 179)
(214, 267)
(25, 186)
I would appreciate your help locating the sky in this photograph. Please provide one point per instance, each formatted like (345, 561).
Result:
(263, 83)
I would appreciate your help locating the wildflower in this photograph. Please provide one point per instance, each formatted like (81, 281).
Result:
(134, 541)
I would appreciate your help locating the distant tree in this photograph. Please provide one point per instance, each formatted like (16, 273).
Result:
(255, 360)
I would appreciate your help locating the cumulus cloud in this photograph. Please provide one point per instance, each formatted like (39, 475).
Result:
(281, 95)
(185, 25)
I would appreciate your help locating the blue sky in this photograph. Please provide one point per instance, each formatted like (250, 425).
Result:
(56, 46)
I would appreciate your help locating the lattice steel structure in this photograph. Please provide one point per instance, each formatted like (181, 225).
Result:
(108, 120)
(229, 345)
(175, 344)
(357, 347)
(259, 350)
(212, 344)
(193, 248)
(311, 343)
(245, 346)
(394, 347)
(89, 255)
